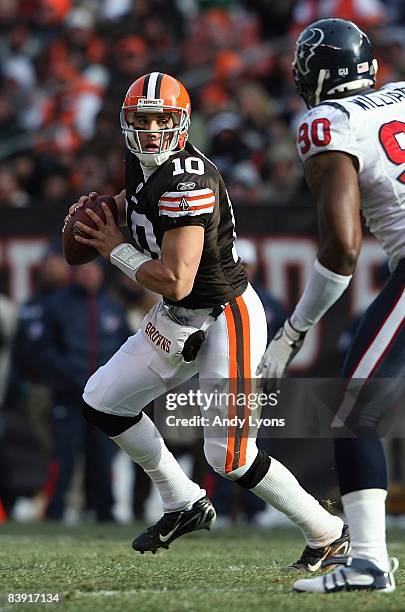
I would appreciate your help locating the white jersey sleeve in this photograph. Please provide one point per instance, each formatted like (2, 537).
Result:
(370, 126)
(327, 127)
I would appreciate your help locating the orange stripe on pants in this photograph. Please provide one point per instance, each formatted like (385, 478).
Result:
(230, 449)
(247, 387)
(239, 381)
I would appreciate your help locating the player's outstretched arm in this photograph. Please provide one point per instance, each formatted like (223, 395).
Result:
(332, 178)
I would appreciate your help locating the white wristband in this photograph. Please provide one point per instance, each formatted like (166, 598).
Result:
(128, 259)
(322, 290)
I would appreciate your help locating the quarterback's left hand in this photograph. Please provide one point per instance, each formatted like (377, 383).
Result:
(282, 349)
(107, 235)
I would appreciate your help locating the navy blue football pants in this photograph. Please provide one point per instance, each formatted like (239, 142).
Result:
(377, 352)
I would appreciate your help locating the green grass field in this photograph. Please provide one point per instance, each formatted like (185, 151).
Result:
(94, 569)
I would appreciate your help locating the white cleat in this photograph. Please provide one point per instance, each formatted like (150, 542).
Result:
(355, 575)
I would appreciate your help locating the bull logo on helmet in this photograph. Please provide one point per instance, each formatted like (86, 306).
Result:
(305, 49)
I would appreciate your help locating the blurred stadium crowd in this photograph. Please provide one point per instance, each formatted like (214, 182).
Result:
(66, 65)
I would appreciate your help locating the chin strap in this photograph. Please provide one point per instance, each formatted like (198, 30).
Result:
(152, 160)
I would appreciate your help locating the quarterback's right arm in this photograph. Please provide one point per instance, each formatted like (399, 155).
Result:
(174, 273)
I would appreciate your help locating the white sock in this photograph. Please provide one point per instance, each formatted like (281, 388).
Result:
(144, 444)
(282, 490)
(365, 514)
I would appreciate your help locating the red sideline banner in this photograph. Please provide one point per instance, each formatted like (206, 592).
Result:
(286, 239)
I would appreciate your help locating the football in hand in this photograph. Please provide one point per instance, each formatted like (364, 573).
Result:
(76, 253)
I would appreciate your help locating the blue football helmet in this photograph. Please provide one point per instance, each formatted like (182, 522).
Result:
(332, 56)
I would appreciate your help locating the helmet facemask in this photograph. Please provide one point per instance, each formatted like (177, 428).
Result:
(171, 139)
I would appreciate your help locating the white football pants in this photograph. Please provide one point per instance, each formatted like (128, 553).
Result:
(139, 373)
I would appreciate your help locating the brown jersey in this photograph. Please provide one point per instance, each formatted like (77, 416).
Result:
(187, 190)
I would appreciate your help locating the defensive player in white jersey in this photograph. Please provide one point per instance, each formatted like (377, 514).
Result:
(352, 143)
(210, 321)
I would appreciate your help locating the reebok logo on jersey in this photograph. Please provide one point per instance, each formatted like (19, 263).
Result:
(157, 338)
(185, 186)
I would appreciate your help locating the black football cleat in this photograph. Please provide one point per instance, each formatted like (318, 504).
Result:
(172, 525)
(312, 559)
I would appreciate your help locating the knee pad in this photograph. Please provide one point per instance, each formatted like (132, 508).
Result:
(111, 424)
(256, 472)
(215, 454)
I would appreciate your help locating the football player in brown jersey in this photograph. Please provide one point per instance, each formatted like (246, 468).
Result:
(210, 321)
